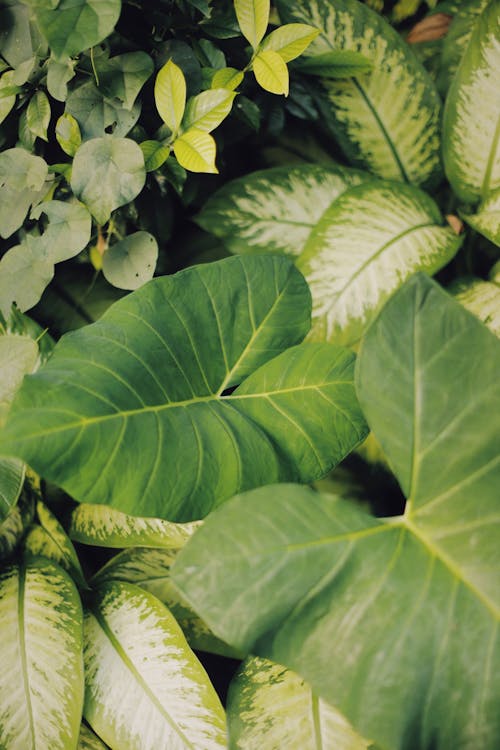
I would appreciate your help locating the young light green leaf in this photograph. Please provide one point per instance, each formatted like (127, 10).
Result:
(387, 121)
(207, 110)
(227, 322)
(486, 220)
(102, 526)
(343, 63)
(275, 210)
(227, 78)
(144, 686)
(398, 629)
(123, 76)
(471, 142)
(253, 18)
(107, 173)
(8, 93)
(480, 297)
(130, 262)
(170, 95)
(71, 26)
(150, 569)
(291, 40)
(41, 689)
(22, 177)
(15, 519)
(68, 134)
(270, 706)
(59, 74)
(155, 154)
(98, 115)
(195, 150)
(271, 72)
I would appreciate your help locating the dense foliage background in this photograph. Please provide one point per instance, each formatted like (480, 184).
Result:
(281, 450)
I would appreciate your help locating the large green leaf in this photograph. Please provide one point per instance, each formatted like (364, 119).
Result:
(471, 128)
(41, 684)
(71, 26)
(406, 609)
(145, 689)
(98, 115)
(356, 239)
(152, 376)
(22, 177)
(271, 707)
(388, 119)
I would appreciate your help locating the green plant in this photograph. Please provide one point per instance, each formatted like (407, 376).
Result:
(168, 472)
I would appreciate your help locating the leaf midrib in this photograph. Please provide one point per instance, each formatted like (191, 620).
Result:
(22, 648)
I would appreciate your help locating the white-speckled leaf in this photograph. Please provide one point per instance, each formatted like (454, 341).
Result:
(456, 40)
(150, 569)
(15, 523)
(275, 210)
(471, 127)
(41, 680)
(486, 220)
(372, 239)
(89, 741)
(482, 298)
(145, 689)
(388, 119)
(102, 526)
(271, 707)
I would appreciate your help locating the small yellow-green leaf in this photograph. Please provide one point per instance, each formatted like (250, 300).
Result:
(7, 94)
(155, 154)
(253, 17)
(170, 95)
(290, 40)
(38, 115)
(68, 134)
(207, 110)
(195, 151)
(227, 78)
(271, 72)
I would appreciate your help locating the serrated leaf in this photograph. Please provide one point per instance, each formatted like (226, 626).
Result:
(68, 134)
(144, 686)
(41, 687)
(482, 298)
(386, 121)
(227, 78)
(71, 26)
(98, 115)
(486, 220)
(270, 706)
(59, 74)
(107, 173)
(155, 154)
(399, 628)
(274, 210)
(139, 372)
(271, 72)
(291, 40)
(102, 526)
(471, 125)
(196, 150)
(207, 110)
(130, 262)
(170, 95)
(344, 63)
(22, 176)
(123, 76)
(253, 18)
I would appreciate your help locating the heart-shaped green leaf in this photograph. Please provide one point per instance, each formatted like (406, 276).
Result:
(22, 176)
(409, 605)
(123, 76)
(130, 262)
(154, 372)
(97, 115)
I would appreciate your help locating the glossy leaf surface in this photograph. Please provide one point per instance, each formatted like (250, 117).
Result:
(253, 17)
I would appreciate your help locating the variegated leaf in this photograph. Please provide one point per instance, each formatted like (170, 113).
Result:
(471, 127)
(41, 681)
(387, 120)
(103, 526)
(17, 520)
(482, 298)
(145, 689)
(486, 220)
(150, 569)
(89, 741)
(271, 707)
(456, 40)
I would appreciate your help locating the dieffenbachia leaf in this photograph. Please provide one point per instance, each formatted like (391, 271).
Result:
(480, 297)
(195, 150)
(14, 523)
(130, 262)
(41, 690)
(207, 110)
(409, 605)
(122, 77)
(336, 64)
(89, 741)
(290, 40)
(388, 119)
(170, 95)
(456, 40)
(150, 569)
(144, 686)
(253, 18)
(270, 706)
(22, 177)
(471, 126)
(275, 210)
(271, 72)
(102, 526)
(356, 239)
(486, 220)
(107, 173)
(154, 372)
(71, 26)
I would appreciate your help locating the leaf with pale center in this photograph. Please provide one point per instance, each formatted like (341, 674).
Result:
(480, 297)
(486, 220)
(410, 605)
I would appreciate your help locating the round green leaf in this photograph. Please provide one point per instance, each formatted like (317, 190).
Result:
(129, 263)
(107, 173)
(68, 231)
(25, 272)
